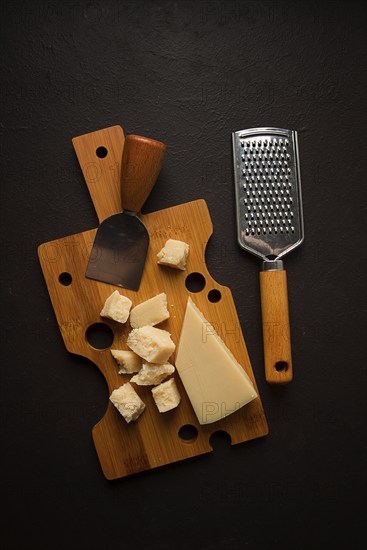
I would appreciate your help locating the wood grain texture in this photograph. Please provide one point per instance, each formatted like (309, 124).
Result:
(102, 174)
(142, 160)
(153, 440)
(276, 328)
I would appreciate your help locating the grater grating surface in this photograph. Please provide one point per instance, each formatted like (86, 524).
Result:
(268, 191)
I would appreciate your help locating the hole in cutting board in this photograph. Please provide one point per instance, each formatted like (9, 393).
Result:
(195, 282)
(65, 278)
(188, 433)
(214, 296)
(101, 152)
(220, 441)
(99, 336)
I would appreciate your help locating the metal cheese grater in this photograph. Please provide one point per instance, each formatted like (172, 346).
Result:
(270, 224)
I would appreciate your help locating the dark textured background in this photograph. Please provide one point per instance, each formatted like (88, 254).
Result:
(187, 73)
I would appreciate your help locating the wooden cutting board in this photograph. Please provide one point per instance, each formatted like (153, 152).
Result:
(154, 439)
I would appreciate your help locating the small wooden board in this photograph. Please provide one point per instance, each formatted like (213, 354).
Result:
(153, 440)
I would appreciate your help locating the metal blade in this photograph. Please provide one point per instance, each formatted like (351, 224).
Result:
(119, 251)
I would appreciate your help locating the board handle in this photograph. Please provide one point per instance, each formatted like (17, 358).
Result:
(142, 160)
(99, 155)
(276, 328)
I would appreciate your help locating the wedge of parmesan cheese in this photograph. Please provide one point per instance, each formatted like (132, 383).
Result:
(117, 307)
(152, 344)
(152, 374)
(215, 382)
(166, 395)
(127, 402)
(174, 254)
(127, 360)
(150, 313)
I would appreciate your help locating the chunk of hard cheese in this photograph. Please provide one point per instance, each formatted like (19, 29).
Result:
(127, 360)
(127, 402)
(117, 307)
(152, 374)
(151, 312)
(166, 395)
(215, 382)
(152, 344)
(174, 254)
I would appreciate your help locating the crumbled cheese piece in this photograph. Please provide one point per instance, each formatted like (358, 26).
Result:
(152, 374)
(151, 312)
(128, 361)
(127, 402)
(174, 254)
(166, 395)
(117, 307)
(152, 344)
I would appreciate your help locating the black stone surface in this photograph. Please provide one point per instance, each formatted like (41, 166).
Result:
(187, 73)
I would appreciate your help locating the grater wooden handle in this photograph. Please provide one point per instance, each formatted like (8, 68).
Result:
(142, 160)
(276, 329)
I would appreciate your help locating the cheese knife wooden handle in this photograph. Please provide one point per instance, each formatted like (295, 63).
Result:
(142, 160)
